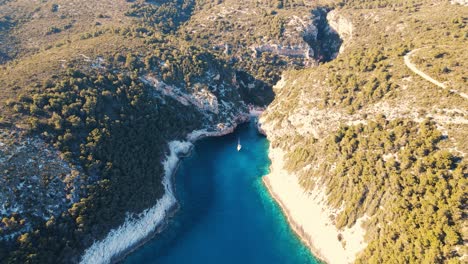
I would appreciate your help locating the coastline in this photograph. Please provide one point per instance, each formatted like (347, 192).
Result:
(294, 226)
(135, 232)
(121, 256)
(316, 230)
(309, 216)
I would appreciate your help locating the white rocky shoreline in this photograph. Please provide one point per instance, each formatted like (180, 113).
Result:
(136, 231)
(313, 226)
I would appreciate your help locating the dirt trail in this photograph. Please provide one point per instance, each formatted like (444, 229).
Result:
(413, 68)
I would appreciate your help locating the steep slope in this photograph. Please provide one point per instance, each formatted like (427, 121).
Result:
(263, 38)
(101, 91)
(374, 144)
(92, 92)
(103, 104)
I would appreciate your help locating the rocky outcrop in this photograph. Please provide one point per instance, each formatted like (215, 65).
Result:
(293, 43)
(460, 2)
(309, 38)
(202, 99)
(325, 41)
(220, 129)
(300, 51)
(342, 25)
(36, 182)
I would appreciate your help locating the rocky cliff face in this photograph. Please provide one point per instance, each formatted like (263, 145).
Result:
(342, 25)
(310, 38)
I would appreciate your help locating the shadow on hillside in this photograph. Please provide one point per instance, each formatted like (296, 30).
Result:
(254, 91)
(327, 42)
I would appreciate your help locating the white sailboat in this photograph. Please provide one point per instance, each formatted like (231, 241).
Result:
(239, 146)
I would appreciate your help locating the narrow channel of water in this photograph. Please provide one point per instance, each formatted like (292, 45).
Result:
(226, 214)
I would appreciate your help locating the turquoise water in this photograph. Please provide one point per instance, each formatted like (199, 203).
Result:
(226, 214)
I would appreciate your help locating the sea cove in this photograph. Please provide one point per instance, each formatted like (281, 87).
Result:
(226, 214)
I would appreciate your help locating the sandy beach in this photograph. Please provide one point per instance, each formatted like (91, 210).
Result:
(306, 212)
(309, 216)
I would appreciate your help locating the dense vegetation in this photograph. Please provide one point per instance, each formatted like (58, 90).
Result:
(113, 125)
(165, 16)
(116, 130)
(444, 63)
(106, 119)
(104, 116)
(371, 163)
(386, 145)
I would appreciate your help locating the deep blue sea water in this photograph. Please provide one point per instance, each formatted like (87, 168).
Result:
(226, 214)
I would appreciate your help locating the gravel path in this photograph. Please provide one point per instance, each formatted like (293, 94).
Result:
(413, 68)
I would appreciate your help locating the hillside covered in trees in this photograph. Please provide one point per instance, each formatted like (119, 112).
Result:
(386, 145)
(98, 89)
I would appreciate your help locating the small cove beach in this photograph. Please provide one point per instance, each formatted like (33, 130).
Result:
(226, 214)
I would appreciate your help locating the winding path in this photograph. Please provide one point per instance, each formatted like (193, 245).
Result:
(413, 68)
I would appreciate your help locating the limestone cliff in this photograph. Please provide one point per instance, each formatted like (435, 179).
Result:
(342, 25)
